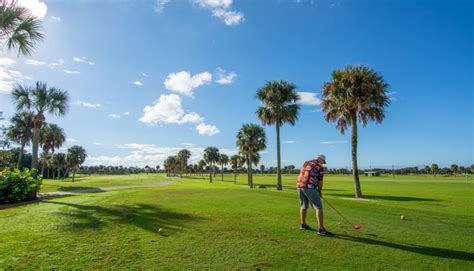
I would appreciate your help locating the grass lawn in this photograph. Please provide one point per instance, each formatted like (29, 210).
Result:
(228, 226)
(86, 181)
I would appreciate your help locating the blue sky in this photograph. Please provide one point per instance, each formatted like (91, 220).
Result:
(147, 78)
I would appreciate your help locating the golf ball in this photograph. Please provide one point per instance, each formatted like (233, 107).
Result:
(161, 231)
(402, 217)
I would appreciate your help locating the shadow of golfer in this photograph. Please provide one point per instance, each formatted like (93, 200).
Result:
(430, 251)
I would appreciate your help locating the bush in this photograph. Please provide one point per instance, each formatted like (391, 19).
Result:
(17, 186)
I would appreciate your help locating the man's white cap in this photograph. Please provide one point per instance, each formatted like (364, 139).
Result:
(322, 157)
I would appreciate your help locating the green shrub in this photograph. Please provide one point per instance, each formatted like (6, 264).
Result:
(17, 186)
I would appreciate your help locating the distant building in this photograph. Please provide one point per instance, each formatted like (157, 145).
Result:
(372, 173)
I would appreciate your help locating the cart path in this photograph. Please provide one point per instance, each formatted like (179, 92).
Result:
(100, 189)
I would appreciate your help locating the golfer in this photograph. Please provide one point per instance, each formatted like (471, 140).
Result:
(309, 185)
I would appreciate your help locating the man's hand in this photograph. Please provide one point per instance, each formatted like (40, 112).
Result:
(320, 193)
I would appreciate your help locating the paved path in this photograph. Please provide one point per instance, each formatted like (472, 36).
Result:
(99, 189)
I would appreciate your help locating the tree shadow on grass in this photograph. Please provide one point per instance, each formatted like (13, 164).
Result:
(80, 189)
(429, 251)
(394, 198)
(149, 217)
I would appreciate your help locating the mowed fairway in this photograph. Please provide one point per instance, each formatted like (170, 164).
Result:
(228, 226)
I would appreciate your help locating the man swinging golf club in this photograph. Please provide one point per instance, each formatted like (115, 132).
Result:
(309, 185)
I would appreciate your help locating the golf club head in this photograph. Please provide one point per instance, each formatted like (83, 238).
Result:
(357, 226)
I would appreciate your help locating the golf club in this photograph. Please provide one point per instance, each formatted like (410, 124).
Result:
(356, 226)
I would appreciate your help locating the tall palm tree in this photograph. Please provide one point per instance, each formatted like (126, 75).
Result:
(236, 161)
(21, 131)
(250, 139)
(201, 165)
(279, 100)
(76, 155)
(223, 160)
(170, 165)
(355, 94)
(40, 100)
(434, 169)
(19, 29)
(52, 137)
(211, 156)
(58, 163)
(183, 157)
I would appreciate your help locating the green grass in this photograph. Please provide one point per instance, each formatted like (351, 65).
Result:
(94, 181)
(227, 226)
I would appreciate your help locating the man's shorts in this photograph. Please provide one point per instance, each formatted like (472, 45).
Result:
(307, 195)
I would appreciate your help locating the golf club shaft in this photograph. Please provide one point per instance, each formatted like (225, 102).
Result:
(339, 213)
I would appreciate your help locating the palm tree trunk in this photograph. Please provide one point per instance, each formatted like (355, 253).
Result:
(249, 171)
(20, 156)
(355, 170)
(279, 186)
(73, 174)
(34, 158)
(44, 162)
(235, 176)
(210, 173)
(222, 171)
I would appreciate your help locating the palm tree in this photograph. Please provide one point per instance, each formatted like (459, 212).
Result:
(434, 169)
(19, 29)
(262, 169)
(57, 162)
(170, 164)
(211, 156)
(40, 99)
(76, 155)
(236, 161)
(52, 137)
(183, 157)
(223, 160)
(250, 139)
(354, 94)
(21, 131)
(279, 100)
(201, 164)
(454, 169)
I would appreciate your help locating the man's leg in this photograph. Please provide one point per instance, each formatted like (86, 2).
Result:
(320, 218)
(303, 215)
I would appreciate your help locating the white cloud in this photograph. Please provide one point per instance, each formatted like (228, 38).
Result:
(289, 141)
(5, 61)
(207, 129)
(160, 5)
(148, 154)
(57, 19)
(334, 142)
(223, 78)
(85, 104)
(183, 83)
(168, 109)
(187, 145)
(59, 62)
(96, 143)
(126, 113)
(229, 17)
(83, 60)
(8, 77)
(213, 4)
(37, 7)
(309, 98)
(145, 75)
(71, 72)
(114, 116)
(221, 9)
(34, 62)
(71, 140)
(137, 83)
